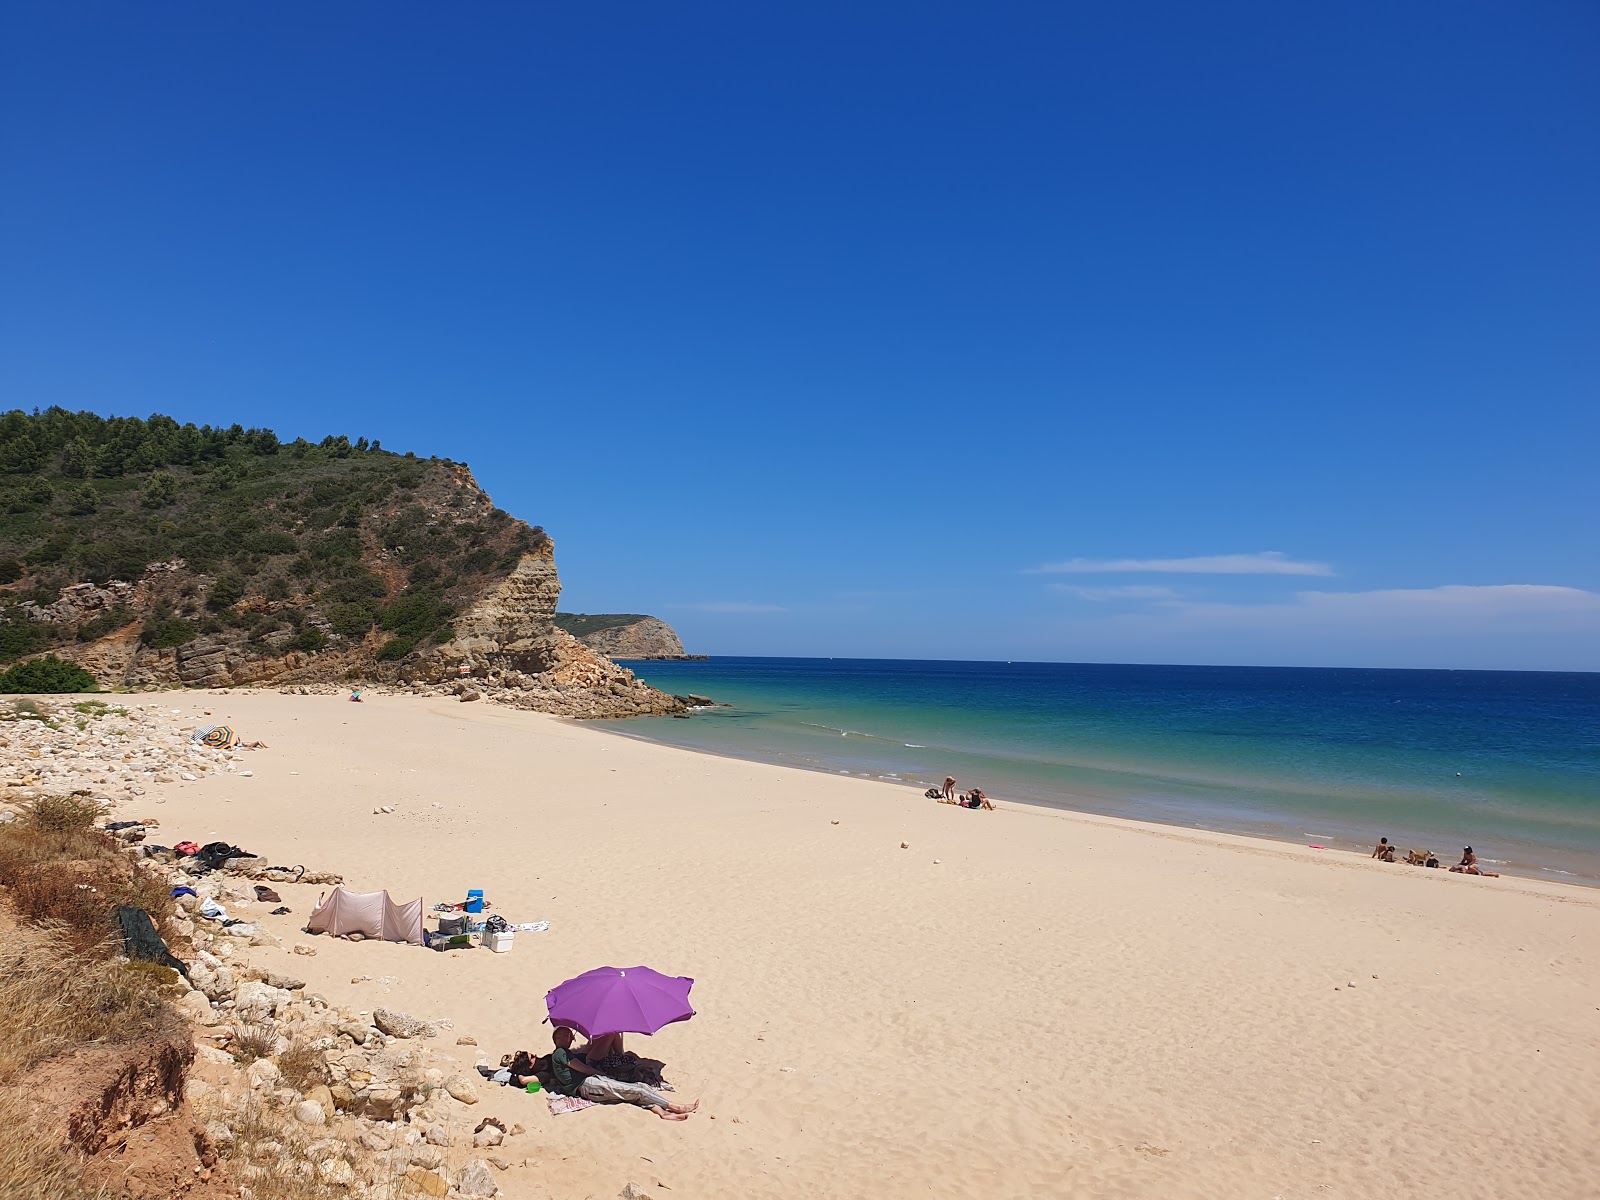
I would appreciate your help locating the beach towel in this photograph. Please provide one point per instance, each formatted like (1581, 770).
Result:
(560, 1104)
(532, 927)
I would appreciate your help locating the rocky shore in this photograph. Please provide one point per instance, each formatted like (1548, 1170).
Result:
(284, 1093)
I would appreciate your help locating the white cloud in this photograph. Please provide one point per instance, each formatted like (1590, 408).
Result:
(734, 606)
(1268, 562)
(1450, 609)
(1130, 592)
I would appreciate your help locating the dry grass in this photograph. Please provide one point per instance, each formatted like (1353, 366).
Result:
(61, 869)
(32, 1165)
(302, 1066)
(276, 1157)
(52, 1000)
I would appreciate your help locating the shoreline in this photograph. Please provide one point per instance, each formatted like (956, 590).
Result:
(905, 998)
(1262, 831)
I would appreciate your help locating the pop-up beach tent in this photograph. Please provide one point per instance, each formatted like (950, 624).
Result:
(371, 914)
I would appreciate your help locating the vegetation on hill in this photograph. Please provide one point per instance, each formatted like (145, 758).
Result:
(46, 674)
(294, 545)
(582, 624)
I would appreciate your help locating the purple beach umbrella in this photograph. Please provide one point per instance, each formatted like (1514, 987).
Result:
(620, 1000)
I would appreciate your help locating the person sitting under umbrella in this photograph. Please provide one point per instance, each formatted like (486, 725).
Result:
(571, 1076)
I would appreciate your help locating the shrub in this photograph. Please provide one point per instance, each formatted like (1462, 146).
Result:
(396, 648)
(310, 639)
(271, 541)
(225, 592)
(107, 622)
(10, 570)
(47, 674)
(168, 633)
(21, 635)
(351, 620)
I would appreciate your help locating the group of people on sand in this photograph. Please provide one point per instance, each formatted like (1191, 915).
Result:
(587, 1073)
(1384, 851)
(972, 799)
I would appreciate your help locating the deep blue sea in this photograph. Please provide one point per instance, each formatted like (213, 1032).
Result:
(1508, 762)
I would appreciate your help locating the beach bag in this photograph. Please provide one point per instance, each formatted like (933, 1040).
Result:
(450, 926)
(934, 794)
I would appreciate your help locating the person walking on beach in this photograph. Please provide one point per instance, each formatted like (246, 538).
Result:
(950, 787)
(572, 1076)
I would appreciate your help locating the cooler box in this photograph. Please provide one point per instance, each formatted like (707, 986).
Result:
(475, 900)
(500, 943)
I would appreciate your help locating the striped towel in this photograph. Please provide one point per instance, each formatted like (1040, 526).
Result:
(567, 1104)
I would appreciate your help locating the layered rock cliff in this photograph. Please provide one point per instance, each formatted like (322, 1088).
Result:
(627, 635)
(286, 565)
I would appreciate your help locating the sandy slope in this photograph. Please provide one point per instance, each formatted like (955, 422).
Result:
(1059, 1005)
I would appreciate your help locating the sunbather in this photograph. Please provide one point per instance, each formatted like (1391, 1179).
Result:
(1383, 852)
(1469, 865)
(571, 1076)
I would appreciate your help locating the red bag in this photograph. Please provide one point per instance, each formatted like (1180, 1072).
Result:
(187, 848)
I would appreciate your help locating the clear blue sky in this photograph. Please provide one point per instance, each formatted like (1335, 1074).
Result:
(1172, 332)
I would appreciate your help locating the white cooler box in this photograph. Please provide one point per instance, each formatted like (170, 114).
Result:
(500, 943)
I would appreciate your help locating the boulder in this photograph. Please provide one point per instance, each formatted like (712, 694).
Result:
(460, 1087)
(428, 1183)
(309, 1112)
(255, 1001)
(337, 1172)
(437, 1135)
(263, 1073)
(324, 1099)
(402, 1025)
(197, 1008)
(476, 1179)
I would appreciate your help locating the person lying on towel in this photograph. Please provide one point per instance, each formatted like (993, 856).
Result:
(571, 1076)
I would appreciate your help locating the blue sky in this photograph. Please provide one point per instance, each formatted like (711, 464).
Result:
(1157, 332)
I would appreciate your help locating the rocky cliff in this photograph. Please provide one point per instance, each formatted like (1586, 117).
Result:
(268, 564)
(628, 635)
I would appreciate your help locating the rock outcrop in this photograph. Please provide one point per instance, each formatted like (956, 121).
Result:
(491, 628)
(649, 638)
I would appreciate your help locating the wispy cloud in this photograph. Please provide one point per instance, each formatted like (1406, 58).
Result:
(1414, 612)
(1130, 592)
(1268, 562)
(734, 606)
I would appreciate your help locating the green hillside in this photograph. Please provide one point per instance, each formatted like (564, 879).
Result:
(295, 544)
(582, 624)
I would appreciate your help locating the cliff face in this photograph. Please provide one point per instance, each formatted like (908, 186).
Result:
(307, 569)
(649, 638)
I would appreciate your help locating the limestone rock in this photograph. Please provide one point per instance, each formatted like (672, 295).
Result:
(337, 1172)
(437, 1135)
(263, 1073)
(460, 1087)
(476, 1179)
(255, 1001)
(402, 1025)
(324, 1099)
(427, 1157)
(493, 1135)
(197, 1008)
(309, 1112)
(428, 1183)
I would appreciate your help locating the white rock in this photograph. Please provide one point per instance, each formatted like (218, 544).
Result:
(309, 1112)
(189, 777)
(336, 1172)
(476, 1179)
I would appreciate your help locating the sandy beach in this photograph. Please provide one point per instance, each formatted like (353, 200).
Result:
(1021, 1003)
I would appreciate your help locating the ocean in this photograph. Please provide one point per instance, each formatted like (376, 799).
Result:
(1508, 762)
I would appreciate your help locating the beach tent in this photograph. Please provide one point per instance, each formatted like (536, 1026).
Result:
(371, 914)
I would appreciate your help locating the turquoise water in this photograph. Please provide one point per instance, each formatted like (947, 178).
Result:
(1506, 761)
